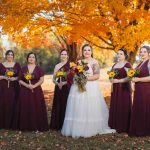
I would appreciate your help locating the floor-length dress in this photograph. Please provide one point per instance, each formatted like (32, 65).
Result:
(121, 102)
(86, 113)
(32, 113)
(8, 97)
(59, 103)
(140, 117)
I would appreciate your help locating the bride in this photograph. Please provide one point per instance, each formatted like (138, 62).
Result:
(86, 112)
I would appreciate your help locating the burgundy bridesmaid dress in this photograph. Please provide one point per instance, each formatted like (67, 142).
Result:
(121, 103)
(59, 104)
(140, 117)
(8, 97)
(32, 113)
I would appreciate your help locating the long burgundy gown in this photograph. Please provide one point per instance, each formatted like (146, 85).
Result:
(140, 117)
(8, 97)
(31, 106)
(59, 104)
(121, 103)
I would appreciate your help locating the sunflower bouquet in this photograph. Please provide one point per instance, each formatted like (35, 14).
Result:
(9, 73)
(29, 77)
(80, 74)
(132, 73)
(112, 74)
(61, 74)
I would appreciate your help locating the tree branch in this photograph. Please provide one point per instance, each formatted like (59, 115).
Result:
(104, 40)
(101, 47)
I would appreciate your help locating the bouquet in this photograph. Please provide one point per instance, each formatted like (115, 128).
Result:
(61, 74)
(132, 73)
(79, 73)
(112, 74)
(9, 73)
(28, 77)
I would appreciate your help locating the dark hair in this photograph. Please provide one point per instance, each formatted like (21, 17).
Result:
(62, 50)
(125, 52)
(85, 46)
(9, 51)
(147, 48)
(28, 55)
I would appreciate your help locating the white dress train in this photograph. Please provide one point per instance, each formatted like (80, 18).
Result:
(86, 113)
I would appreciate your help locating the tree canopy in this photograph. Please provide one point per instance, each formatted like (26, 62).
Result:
(105, 24)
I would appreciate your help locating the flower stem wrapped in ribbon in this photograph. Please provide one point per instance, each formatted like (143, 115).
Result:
(9, 73)
(133, 73)
(28, 77)
(112, 74)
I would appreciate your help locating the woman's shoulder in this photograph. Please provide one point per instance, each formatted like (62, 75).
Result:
(24, 67)
(57, 65)
(17, 64)
(38, 67)
(128, 65)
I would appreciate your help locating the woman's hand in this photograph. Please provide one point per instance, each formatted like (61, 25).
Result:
(135, 79)
(3, 78)
(60, 85)
(116, 80)
(30, 86)
(13, 79)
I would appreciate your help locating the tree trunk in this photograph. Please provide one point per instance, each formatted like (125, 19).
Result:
(72, 48)
(132, 55)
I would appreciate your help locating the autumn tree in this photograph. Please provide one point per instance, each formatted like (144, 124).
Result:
(105, 24)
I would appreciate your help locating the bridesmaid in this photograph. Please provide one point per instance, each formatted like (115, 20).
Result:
(140, 118)
(121, 103)
(32, 108)
(9, 89)
(60, 94)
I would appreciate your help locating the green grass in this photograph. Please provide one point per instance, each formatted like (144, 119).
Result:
(52, 140)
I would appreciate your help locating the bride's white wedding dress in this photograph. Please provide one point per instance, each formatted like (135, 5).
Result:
(86, 113)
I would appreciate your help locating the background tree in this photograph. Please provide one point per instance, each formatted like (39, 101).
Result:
(105, 24)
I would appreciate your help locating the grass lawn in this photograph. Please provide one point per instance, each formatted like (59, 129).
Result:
(15, 140)
(52, 140)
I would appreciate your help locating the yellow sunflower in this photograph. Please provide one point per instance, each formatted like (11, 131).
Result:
(28, 76)
(59, 73)
(111, 74)
(72, 64)
(131, 73)
(80, 68)
(10, 73)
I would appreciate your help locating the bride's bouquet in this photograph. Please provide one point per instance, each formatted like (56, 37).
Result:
(80, 75)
